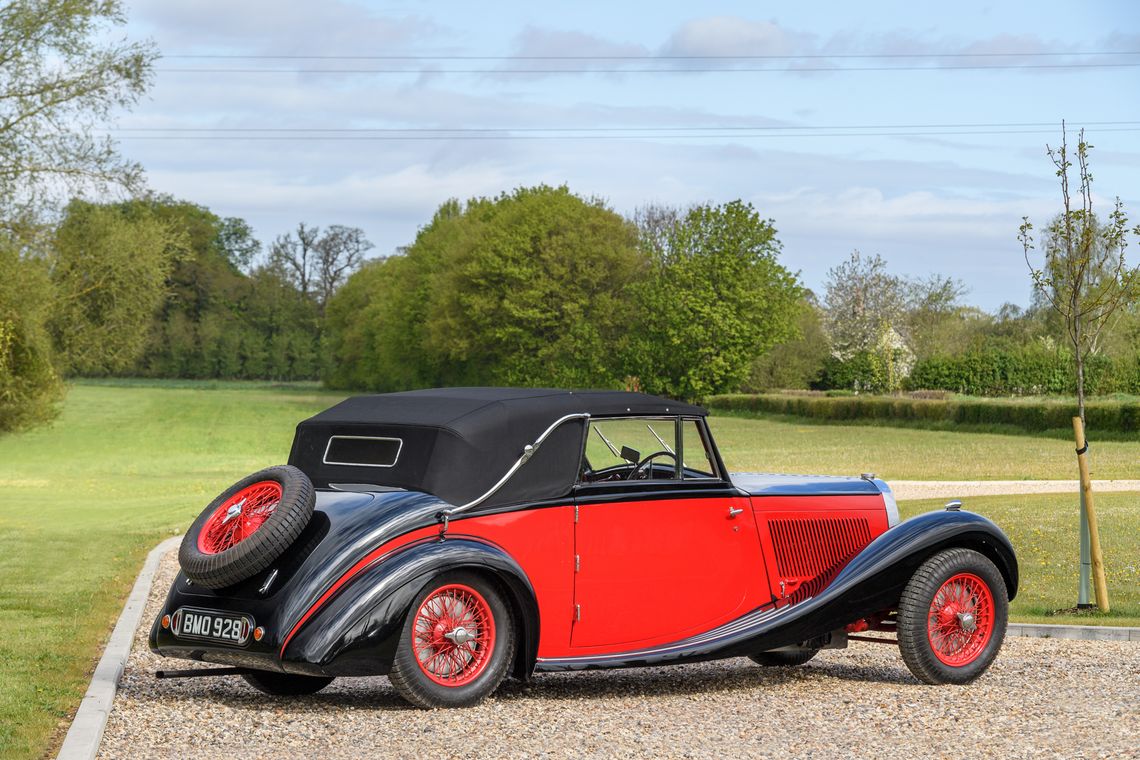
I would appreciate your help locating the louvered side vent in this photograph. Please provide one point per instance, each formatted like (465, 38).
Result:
(810, 551)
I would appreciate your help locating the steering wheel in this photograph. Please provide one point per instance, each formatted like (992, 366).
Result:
(633, 474)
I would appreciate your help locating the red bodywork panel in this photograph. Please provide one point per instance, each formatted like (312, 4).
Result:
(634, 574)
(808, 539)
(654, 572)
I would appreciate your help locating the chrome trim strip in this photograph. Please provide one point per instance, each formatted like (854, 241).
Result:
(889, 502)
(325, 457)
(528, 451)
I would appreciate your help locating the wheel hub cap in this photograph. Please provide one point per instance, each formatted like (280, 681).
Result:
(966, 620)
(233, 511)
(460, 636)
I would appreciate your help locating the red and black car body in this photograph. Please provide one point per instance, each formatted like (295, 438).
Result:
(602, 554)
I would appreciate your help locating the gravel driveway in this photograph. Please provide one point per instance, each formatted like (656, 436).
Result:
(1042, 698)
(941, 489)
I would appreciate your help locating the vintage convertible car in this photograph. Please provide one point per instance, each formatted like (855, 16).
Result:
(448, 538)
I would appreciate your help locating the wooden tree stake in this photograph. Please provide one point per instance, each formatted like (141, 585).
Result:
(1094, 534)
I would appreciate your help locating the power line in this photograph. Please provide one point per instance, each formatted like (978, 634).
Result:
(645, 57)
(572, 137)
(652, 128)
(678, 70)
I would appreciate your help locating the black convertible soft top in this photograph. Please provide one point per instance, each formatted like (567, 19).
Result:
(456, 443)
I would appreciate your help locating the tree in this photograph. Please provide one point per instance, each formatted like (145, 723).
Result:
(795, 363)
(295, 256)
(236, 239)
(1084, 275)
(219, 322)
(340, 252)
(29, 384)
(935, 321)
(318, 264)
(716, 297)
(527, 288)
(532, 292)
(109, 268)
(61, 79)
(862, 301)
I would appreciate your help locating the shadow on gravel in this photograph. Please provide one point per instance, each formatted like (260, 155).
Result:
(377, 694)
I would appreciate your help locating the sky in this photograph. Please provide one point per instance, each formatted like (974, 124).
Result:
(926, 146)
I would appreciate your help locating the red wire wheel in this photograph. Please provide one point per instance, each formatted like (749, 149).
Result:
(457, 643)
(247, 527)
(952, 617)
(453, 635)
(239, 517)
(961, 620)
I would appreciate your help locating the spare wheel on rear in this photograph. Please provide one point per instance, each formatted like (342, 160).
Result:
(247, 527)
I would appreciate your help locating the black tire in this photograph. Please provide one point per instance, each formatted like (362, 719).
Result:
(257, 551)
(783, 659)
(969, 619)
(411, 679)
(286, 684)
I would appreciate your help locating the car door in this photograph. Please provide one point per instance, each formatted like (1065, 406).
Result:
(660, 559)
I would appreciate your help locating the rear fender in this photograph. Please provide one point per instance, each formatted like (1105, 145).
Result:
(356, 633)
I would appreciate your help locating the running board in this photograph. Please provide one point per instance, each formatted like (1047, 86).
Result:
(201, 672)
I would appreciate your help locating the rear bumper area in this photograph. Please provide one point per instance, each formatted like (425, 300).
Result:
(253, 654)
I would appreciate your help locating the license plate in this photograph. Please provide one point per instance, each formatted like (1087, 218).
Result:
(211, 625)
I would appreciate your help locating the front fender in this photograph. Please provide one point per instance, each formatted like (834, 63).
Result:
(356, 633)
(875, 578)
(910, 543)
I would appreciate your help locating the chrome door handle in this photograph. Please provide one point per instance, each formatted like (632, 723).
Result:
(733, 512)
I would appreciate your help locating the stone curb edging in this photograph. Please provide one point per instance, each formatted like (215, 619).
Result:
(1085, 632)
(86, 731)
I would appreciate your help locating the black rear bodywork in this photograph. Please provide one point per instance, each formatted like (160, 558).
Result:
(356, 629)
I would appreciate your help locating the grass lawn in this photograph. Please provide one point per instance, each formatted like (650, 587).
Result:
(82, 503)
(1045, 534)
(130, 463)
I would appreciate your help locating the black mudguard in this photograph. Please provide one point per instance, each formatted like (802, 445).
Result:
(356, 633)
(874, 580)
(871, 582)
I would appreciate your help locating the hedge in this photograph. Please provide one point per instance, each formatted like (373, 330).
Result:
(1029, 416)
(1029, 371)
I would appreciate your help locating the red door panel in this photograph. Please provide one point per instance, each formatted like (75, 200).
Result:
(653, 572)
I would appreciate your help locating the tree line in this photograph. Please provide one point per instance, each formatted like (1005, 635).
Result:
(542, 287)
(536, 286)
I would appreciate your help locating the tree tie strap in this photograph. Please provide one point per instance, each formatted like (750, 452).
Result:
(1084, 448)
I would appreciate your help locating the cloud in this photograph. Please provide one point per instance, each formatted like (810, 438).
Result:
(543, 42)
(735, 36)
(719, 37)
(333, 27)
